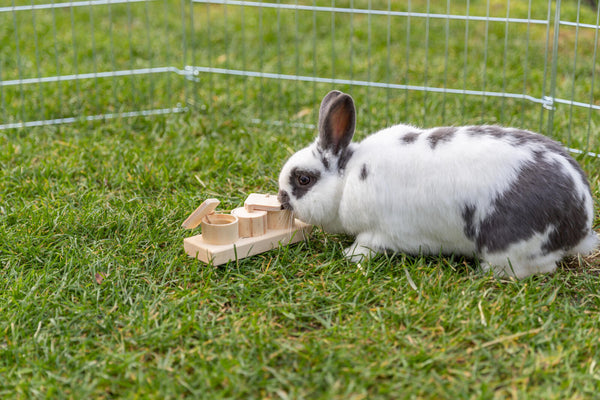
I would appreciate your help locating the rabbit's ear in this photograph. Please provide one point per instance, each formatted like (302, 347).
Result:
(337, 119)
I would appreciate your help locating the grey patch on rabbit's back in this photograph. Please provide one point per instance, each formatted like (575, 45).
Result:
(409, 138)
(363, 172)
(496, 131)
(519, 137)
(541, 197)
(444, 134)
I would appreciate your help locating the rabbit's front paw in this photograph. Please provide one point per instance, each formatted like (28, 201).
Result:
(357, 253)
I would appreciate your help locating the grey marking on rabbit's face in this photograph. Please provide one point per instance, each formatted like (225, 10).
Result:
(409, 138)
(542, 196)
(320, 154)
(438, 135)
(302, 181)
(344, 158)
(363, 172)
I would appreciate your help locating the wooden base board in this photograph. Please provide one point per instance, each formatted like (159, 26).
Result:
(196, 247)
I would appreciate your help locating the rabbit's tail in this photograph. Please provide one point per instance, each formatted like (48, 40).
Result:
(587, 245)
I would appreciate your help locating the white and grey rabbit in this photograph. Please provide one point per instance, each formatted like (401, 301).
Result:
(515, 199)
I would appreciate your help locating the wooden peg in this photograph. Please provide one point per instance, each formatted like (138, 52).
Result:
(263, 202)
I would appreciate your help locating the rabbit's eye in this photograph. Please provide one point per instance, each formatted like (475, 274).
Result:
(303, 180)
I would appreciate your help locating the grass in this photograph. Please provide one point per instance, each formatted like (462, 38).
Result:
(98, 299)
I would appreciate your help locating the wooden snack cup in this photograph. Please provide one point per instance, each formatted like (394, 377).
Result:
(251, 223)
(216, 228)
(220, 229)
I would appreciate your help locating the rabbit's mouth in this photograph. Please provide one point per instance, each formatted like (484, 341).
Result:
(284, 199)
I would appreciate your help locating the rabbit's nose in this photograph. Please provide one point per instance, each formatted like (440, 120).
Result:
(284, 199)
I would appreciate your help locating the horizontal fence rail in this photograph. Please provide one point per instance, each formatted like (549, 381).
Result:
(67, 4)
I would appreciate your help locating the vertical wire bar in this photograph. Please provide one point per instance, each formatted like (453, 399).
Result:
(406, 79)
(570, 129)
(184, 46)
(554, 68)
(261, 55)
(505, 62)
(466, 63)
(59, 96)
(426, 69)
(94, 59)
(134, 93)
(446, 45)
(351, 43)
(545, 76)
(297, 51)
(243, 42)
(388, 40)
(2, 100)
(315, 101)
(526, 64)
(332, 40)
(369, 42)
(485, 59)
(589, 130)
(209, 54)
(19, 69)
(195, 100)
(41, 108)
(167, 44)
(75, 65)
(112, 58)
(150, 56)
(227, 43)
(279, 65)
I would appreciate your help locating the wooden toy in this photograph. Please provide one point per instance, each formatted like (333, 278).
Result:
(261, 225)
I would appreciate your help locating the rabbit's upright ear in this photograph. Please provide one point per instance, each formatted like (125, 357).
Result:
(337, 120)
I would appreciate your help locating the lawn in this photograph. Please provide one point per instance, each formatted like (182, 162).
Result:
(99, 300)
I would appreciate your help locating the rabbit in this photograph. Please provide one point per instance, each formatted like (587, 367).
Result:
(514, 199)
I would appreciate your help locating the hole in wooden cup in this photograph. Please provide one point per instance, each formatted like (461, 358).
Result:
(220, 229)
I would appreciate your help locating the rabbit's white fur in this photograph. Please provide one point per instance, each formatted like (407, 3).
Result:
(438, 190)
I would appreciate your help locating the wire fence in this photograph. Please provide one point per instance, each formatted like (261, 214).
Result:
(531, 64)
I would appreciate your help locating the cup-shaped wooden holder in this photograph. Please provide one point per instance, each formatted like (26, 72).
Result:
(251, 223)
(220, 229)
